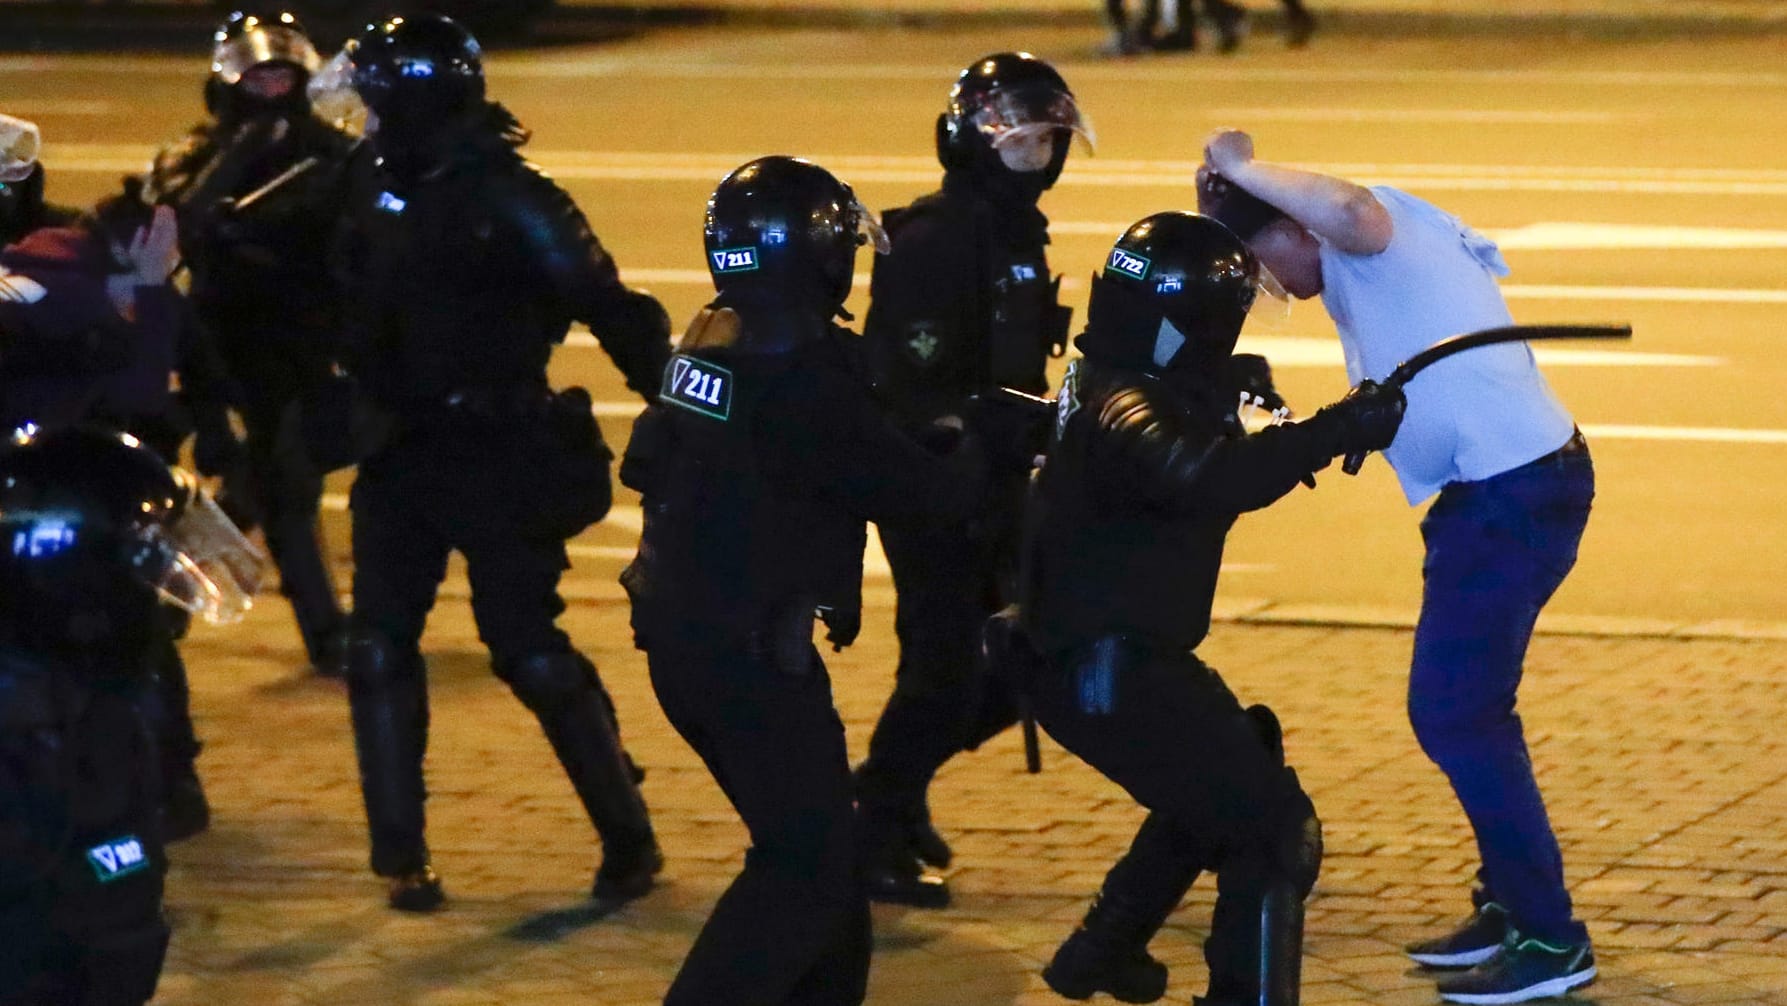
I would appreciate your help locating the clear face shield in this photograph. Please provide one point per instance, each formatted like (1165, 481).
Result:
(20, 142)
(234, 53)
(332, 95)
(1022, 125)
(868, 228)
(1271, 302)
(202, 563)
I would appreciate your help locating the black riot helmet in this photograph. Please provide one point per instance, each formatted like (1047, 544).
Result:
(96, 531)
(416, 73)
(245, 41)
(1003, 98)
(1172, 296)
(784, 231)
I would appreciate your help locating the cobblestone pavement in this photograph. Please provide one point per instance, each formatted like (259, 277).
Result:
(1662, 759)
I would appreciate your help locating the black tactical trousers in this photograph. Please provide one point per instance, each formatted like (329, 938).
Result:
(1167, 729)
(943, 701)
(287, 492)
(794, 926)
(411, 509)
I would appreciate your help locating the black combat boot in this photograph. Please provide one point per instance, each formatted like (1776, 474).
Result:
(1109, 953)
(892, 869)
(565, 695)
(388, 704)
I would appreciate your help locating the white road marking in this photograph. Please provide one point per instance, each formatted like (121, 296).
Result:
(1475, 116)
(1513, 291)
(599, 63)
(30, 108)
(1551, 236)
(708, 168)
(1695, 434)
(1299, 351)
(1566, 236)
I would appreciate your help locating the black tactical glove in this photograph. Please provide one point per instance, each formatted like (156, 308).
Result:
(842, 625)
(216, 451)
(1249, 373)
(1366, 419)
(1014, 427)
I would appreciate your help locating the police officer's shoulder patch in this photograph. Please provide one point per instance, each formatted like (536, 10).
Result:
(117, 858)
(922, 343)
(698, 385)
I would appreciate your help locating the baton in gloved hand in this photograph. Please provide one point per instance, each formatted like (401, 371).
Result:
(1487, 337)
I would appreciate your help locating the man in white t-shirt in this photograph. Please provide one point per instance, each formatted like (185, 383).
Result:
(1514, 481)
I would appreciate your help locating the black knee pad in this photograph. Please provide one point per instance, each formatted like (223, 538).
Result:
(546, 682)
(374, 664)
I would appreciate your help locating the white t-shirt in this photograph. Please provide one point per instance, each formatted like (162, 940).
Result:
(1470, 416)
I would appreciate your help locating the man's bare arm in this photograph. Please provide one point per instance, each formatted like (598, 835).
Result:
(1340, 212)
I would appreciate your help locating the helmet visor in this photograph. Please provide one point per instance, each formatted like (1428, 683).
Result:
(203, 564)
(19, 143)
(332, 95)
(1271, 302)
(266, 42)
(868, 228)
(1008, 115)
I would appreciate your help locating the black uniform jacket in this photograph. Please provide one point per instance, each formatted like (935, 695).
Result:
(462, 280)
(1144, 478)
(757, 471)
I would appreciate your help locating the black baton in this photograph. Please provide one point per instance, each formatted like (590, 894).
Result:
(1487, 337)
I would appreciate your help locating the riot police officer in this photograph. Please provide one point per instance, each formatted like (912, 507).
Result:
(759, 463)
(101, 535)
(964, 303)
(468, 266)
(1147, 471)
(257, 187)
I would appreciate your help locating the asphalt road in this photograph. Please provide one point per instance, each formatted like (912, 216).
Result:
(1632, 180)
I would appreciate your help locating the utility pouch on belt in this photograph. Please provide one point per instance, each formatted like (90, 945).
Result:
(572, 463)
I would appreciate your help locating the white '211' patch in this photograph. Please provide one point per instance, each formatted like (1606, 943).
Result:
(697, 385)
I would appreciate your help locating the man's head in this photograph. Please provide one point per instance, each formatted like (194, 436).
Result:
(782, 230)
(1010, 122)
(1172, 296)
(1285, 248)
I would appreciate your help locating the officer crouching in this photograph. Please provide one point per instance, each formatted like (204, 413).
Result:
(758, 464)
(1148, 469)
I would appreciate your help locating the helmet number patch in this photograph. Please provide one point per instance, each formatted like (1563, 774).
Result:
(697, 385)
(730, 260)
(1127, 264)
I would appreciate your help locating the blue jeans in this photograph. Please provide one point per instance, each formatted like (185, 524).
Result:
(1496, 551)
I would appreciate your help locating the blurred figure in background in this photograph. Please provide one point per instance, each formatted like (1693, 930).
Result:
(258, 191)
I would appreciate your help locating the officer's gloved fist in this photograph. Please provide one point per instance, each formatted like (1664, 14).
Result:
(1249, 373)
(842, 625)
(1367, 418)
(942, 435)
